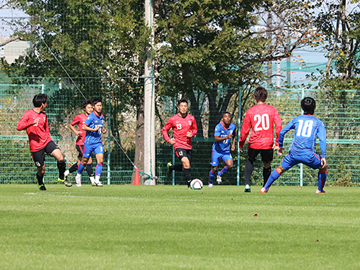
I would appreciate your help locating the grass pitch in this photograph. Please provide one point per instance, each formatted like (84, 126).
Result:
(172, 227)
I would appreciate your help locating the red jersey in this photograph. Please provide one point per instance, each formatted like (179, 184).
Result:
(261, 119)
(37, 128)
(180, 127)
(79, 120)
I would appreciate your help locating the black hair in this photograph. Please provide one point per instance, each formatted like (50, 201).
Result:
(96, 100)
(87, 102)
(227, 113)
(39, 99)
(260, 94)
(182, 100)
(308, 105)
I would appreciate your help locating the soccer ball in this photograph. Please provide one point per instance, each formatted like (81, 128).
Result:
(196, 184)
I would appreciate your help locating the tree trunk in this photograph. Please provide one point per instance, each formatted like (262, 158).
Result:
(139, 133)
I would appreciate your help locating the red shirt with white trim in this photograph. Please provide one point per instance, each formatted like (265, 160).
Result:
(180, 127)
(79, 120)
(261, 119)
(37, 128)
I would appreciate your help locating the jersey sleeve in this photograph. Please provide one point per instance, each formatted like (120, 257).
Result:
(322, 139)
(289, 126)
(165, 130)
(24, 122)
(194, 128)
(245, 129)
(75, 121)
(278, 124)
(88, 120)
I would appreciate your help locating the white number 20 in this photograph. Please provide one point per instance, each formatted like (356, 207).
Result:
(262, 122)
(305, 129)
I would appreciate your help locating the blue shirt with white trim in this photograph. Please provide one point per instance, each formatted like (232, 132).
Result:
(222, 131)
(307, 129)
(93, 120)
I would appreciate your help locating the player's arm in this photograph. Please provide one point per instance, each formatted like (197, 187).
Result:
(71, 126)
(87, 128)
(322, 140)
(24, 122)
(234, 141)
(194, 129)
(278, 124)
(289, 126)
(245, 129)
(165, 130)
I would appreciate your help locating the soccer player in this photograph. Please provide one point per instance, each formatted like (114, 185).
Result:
(35, 123)
(79, 120)
(302, 150)
(224, 132)
(184, 128)
(261, 119)
(93, 126)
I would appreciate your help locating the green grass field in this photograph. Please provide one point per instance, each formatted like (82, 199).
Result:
(172, 227)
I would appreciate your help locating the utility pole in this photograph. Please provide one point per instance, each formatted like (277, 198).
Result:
(149, 99)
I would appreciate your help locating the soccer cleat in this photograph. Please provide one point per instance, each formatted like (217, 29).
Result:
(263, 190)
(98, 184)
(247, 188)
(67, 183)
(218, 179)
(210, 185)
(168, 171)
(66, 173)
(42, 187)
(322, 191)
(61, 180)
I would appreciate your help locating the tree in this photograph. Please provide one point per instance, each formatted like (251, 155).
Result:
(93, 44)
(338, 23)
(211, 49)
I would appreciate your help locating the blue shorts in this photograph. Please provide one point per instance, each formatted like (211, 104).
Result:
(96, 148)
(313, 161)
(215, 157)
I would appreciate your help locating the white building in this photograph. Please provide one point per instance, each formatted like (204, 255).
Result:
(12, 50)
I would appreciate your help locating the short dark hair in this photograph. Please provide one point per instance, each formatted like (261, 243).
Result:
(87, 102)
(182, 100)
(308, 105)
(96, 100)
(260, 94)
(39, 99)
(226, 113)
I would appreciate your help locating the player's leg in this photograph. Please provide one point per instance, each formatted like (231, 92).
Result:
(87, 152)
(249, 167)
(175, 167)
(99, 154)
(186, 163)
(314, 162)
(90, 170)
(288, 162)
(52, 149)
(227, 158)
(267, 157)
(215, 156)
(212, 174)
(39, 158)
(74, 167)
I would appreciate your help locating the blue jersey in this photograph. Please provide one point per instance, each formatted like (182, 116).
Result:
(93, 120)
(222, 131)
(307, 128)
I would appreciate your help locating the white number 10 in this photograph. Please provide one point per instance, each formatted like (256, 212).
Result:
(305, 128)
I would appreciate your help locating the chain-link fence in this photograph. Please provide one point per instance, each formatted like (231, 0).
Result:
(339, 110)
